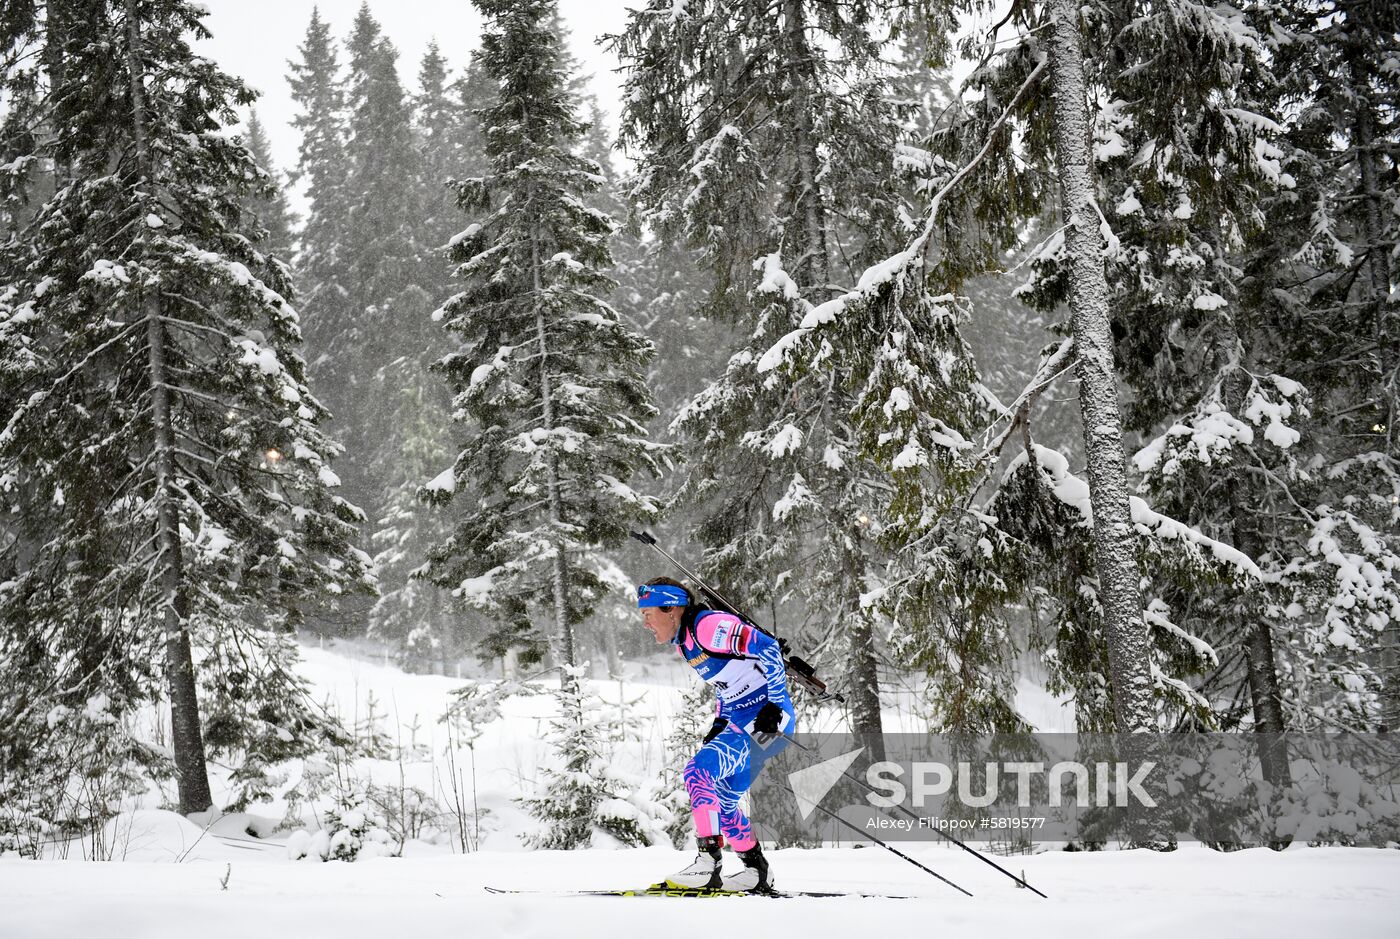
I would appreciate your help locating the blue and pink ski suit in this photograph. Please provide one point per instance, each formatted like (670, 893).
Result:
(745, 667)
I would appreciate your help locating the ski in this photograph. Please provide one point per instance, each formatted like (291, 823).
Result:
(664, 890)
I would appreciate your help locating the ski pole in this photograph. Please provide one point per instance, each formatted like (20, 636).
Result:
(973, 851)
(796, 666)
(888, 847)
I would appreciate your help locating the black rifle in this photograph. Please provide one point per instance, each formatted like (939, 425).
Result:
(804, 673)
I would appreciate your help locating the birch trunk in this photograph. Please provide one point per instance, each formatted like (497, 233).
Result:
(1119, 577)
(191, 772)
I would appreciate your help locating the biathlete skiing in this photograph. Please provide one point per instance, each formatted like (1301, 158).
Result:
(749, 669)
(753, 714)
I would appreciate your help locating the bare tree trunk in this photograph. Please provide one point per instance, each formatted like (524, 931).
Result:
(191, 772)
(814, 269)
(1264, 694)
(564, 631)
(1379, 263)
(814, 266)
(614, 655)
(1373, 210)
(1390, 678)
(1365, 128)
(1114, 552)
(1265, 697)
(865, 675)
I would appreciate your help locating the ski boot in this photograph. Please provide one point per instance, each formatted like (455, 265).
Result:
(704, 874)
(755, 877)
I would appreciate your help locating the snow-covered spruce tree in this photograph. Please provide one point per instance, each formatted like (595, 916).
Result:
(414, 612)
(1333, 279)
(377, 347)
(1280, 390)
(662, 287)
(765, 139)
(959, 564)
(1118, 573)
(661, 292)
(473, 91)
(354, 828)
(383, 331)
(166, 422)
(436, 120)
(586, 799)
(411, 612)
(658, 290)
(25, 180)
(982, 159)
(269, 203)
(452, 145)
(1182, 186)
(71, 694)
(1005, 335)
(1208, 354)
(1089, 77)
(962, 561)
(317, 88)
(548, 381)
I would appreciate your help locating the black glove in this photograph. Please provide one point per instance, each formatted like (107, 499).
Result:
(716, 729)
(768, 718)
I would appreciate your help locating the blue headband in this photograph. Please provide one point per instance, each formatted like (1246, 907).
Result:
(661, 595)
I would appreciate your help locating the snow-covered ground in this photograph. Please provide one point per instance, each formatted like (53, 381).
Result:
(169, 877)
(1193, 892)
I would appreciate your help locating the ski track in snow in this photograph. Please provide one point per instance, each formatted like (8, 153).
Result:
(166, 882)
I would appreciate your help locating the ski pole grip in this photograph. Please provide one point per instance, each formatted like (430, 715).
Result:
(643, 537)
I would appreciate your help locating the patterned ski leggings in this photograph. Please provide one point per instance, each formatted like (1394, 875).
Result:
(716, 778)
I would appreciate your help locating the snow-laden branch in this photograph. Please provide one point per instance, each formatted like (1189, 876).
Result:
(1050, 369)
(887, 270)
(39, 397)
(1074, 492)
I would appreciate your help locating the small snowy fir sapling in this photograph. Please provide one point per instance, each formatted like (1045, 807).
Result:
(687, 733)
(354, 830)
(584, 799)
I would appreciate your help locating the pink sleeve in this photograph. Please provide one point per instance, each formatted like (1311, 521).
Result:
(723, 632)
